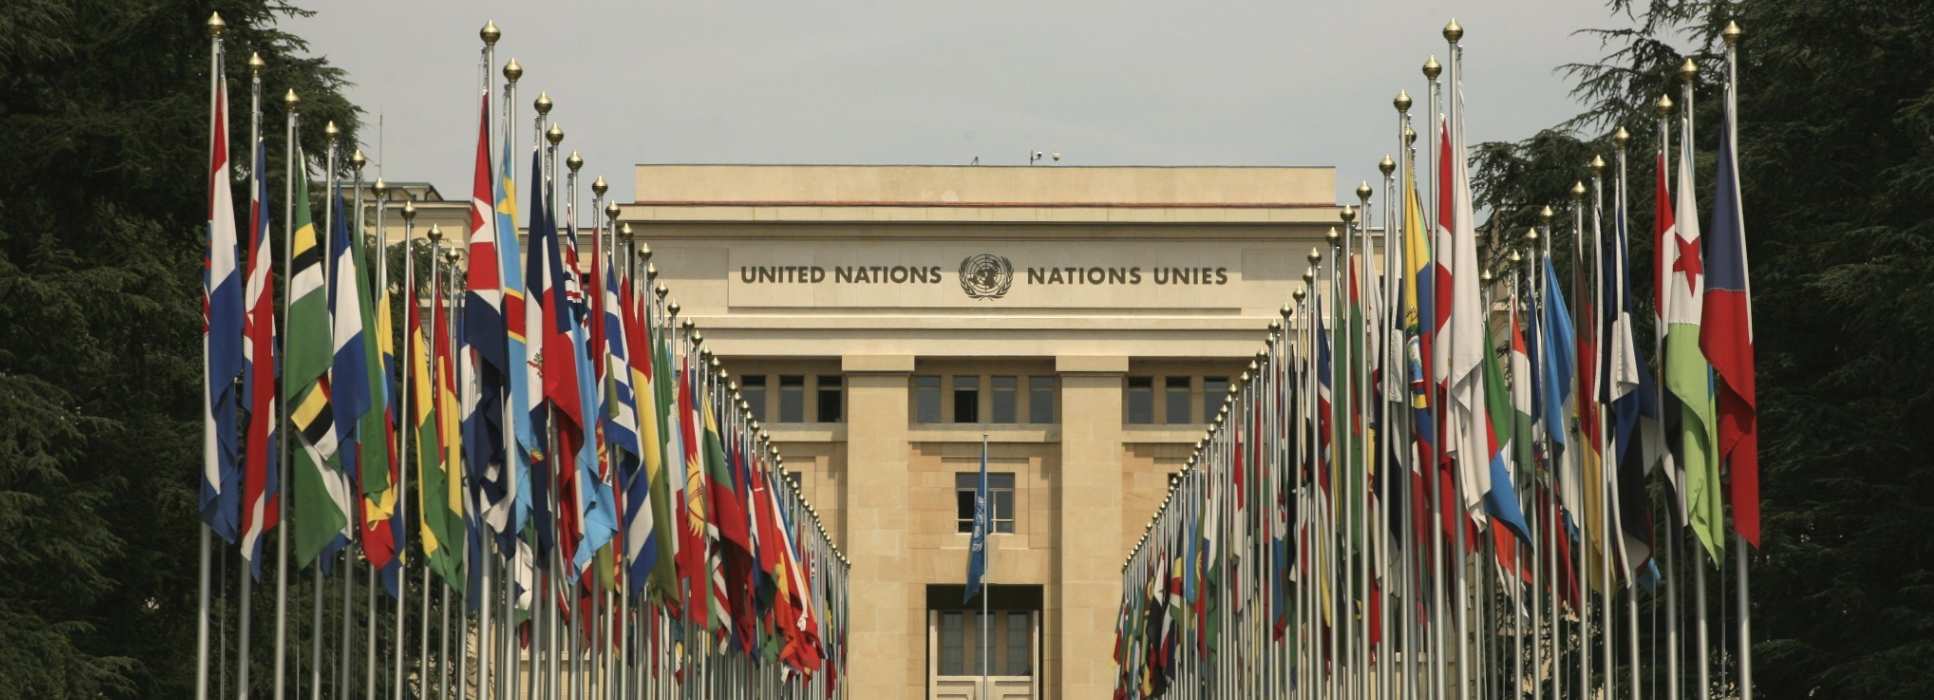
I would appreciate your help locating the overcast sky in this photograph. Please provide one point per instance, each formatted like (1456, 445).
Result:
(1182, 82)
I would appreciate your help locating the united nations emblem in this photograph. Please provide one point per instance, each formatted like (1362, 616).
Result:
(986, 276)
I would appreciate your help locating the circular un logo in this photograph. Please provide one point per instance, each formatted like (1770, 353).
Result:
(986, 276)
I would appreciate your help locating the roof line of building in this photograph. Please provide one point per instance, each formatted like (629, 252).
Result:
(982, 205)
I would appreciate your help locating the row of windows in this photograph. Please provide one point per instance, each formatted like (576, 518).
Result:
(1004, 393)
(828, 400)
(1178, 402)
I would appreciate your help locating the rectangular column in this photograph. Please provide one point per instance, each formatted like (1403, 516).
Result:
(887, 611)
(1088, 547)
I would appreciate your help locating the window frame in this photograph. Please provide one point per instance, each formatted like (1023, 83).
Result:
(1002, 522)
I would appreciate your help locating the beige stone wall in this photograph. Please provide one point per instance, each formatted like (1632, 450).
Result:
(883, 482)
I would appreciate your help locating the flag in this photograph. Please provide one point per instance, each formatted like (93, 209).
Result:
(351, 396)
(1554, 372)
(446, 493)
(434, 537)
(1418, 297)
(695, 537)
(321, 496)
(261, 477)
(372, 470)
(542, 318)
(621, 429)
(1665, 231)
(382, 533)
(221, 339)
(1501, 500)
(1687, 375)
(654, 561)
(483, 348)
(1625, 385)
(508, 516)
(1726, 335)
(977, 543)
(1468, 343)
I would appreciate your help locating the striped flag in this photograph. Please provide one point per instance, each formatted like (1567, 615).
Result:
(1687, 374)
(261, 477)
(483, 346)
(1726, 334)
(352, 370)
(322, 506)
(507, 517)
(221, 333)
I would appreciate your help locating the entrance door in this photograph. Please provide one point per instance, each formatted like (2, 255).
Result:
(954, 656)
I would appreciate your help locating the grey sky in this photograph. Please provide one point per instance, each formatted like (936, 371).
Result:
(1287, 82)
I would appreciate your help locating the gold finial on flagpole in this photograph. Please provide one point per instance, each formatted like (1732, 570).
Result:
(1432, 68)
(1545, 214)
(611, 212)
(1348, 214)
(660, 290)
(380, 188)
(1409, 136)
(1363, 190)
(513, 70)
(1298, 292)
(357, 160)
(1621, 137)
(1577, 190)
(490, 34)
(1386, 166)
(1597, 165)
(436, 234)
(542, 104)
(573, 161)
(1316, 252)
(215, 24)
(1485, 276)
(1731, 33)
(555, 136)
(598, 186)
(1688, 71)
(1515, 257)
(1531, 235)
(1453, 31)
(1332, 237)
(1402, 103)
(256, 64)
(1664, 105)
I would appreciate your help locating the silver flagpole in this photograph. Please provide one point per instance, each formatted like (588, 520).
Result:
(215, 28)
(1596, 290)
(1555, 528)
(512, 665)
(1385, 665)
(1744, 597)
(576, 643)
(407, 415)
(1452, 33)
(356, 161)
(1689, 73)
(1438, 675)
(1584, 539)
(328, 225)
(1673, 534)
(1621, 138)
(986, 528)
(381, 192)
(422, 467)
(255, 66)
(490, 34)
(1516, 686)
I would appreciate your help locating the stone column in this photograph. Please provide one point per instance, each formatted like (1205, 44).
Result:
(1088, 549)
(887, 611)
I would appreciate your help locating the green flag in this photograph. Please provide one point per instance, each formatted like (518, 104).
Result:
(1687, 374)
(321, 497)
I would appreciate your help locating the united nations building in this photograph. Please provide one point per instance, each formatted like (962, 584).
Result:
(883, 320)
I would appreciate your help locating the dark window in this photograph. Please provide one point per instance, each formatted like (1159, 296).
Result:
(966, 398)
(1020, 641)
(831, 399)
(792, 398)
(752, 388)
(1141, 400)
(953, 643)
(1175, 398)
(1000, 496)
(1214, 390)
(1002, 390)
(926, 399)
(1040, 399)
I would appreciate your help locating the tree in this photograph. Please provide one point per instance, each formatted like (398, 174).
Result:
(1836, 111)
(103, 115)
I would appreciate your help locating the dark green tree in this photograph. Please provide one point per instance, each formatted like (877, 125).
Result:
(1836, 118)
(103, 117)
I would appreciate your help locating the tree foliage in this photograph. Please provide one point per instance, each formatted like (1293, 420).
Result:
(1836, 134)
(103, 117)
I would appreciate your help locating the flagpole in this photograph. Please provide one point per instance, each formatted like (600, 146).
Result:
(215, 77)
(381, 192)
(407, 411)
(254, 179)
(446, 298)
(434, 379)
(1553, 528)
(512, 666)
(1688, 74)
(1596, 288)
(329, 134)
(1744, 598)
(1438, 675)
(1621, 138)
(1673, 535)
